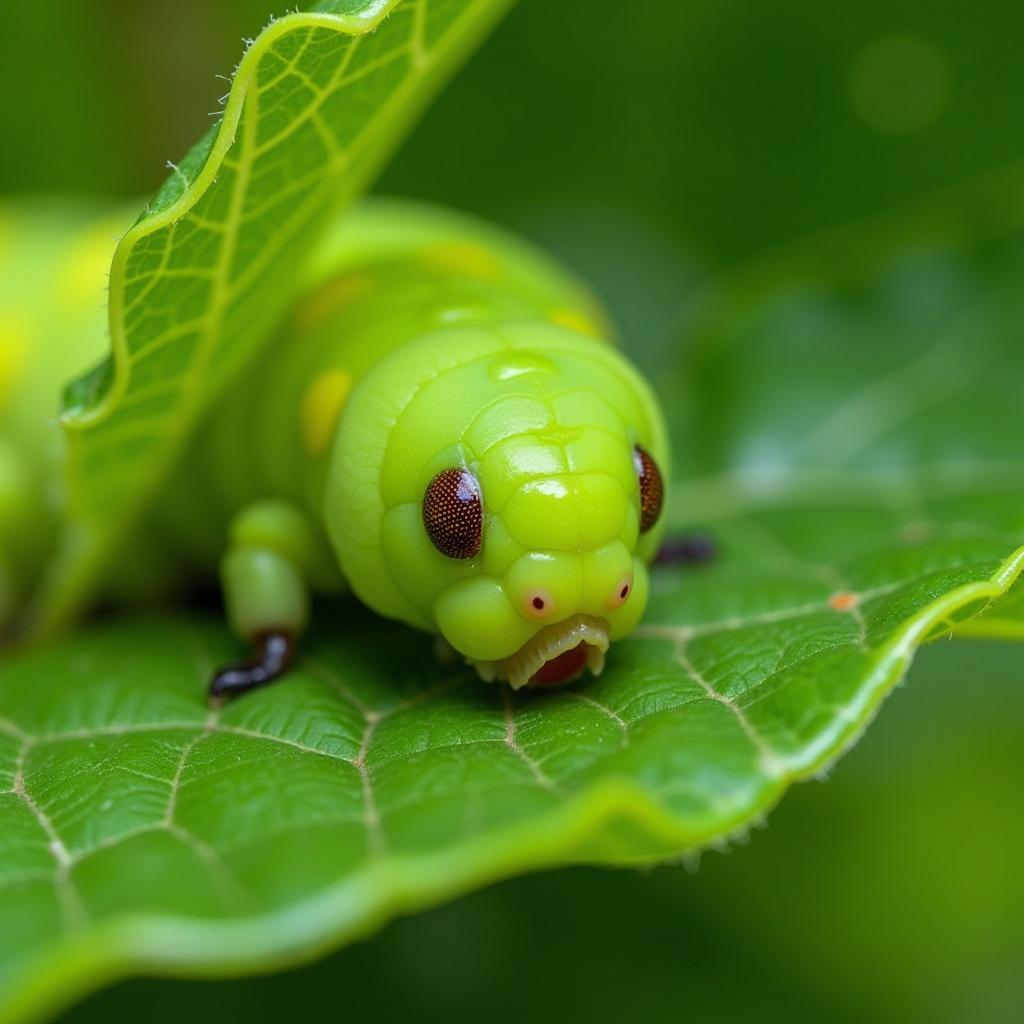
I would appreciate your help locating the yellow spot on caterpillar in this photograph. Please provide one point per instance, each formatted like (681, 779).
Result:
(82, 274)
(13, 350)
(330, 298)
(573, 320)
(463, 258)
(321, 406)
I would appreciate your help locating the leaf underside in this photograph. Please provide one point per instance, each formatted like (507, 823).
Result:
(849, 438)
(319, 101)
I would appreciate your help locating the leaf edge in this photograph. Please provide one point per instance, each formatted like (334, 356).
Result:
(581, 830)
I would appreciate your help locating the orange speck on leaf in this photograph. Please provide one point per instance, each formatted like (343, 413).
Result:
(843, 601)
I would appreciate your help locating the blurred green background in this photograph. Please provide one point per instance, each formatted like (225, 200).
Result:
(653, 150)
(694, 135)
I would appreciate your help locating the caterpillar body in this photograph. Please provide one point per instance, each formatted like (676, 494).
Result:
(440, 425)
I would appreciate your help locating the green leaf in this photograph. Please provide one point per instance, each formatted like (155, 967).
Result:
(857, 400)
(849, 854)
(318, 102)
(1004, 620)
(849, 437)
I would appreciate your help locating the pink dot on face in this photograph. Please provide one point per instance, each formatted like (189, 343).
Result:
(621, 592)
(538, 604)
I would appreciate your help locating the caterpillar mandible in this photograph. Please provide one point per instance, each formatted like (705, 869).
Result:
(440, 425)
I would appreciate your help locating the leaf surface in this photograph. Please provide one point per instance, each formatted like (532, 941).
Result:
(847, 429)
(317, 104)
(943, 752)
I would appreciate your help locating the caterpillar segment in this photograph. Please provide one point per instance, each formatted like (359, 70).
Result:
(53, 262)
(440, 426)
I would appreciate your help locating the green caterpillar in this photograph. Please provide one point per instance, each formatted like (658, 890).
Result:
(439, 425)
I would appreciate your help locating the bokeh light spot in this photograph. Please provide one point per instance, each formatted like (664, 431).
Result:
(900, 84)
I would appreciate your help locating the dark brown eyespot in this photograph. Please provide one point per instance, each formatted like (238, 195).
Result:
(453, 513)
(652, 489)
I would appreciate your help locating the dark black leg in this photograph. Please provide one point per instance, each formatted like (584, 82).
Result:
(273, 654)
(693, 549)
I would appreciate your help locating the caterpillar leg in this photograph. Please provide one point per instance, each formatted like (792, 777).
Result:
(690, 549)
(273, 554)
(272, 656)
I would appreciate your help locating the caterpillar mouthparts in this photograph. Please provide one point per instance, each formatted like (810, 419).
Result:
(554, 655)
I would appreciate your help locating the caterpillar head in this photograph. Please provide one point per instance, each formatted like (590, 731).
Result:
(521, 490)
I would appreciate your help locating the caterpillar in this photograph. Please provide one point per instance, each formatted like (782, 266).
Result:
(441, 426)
